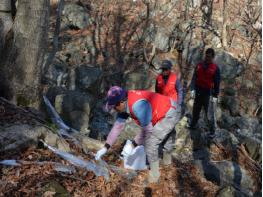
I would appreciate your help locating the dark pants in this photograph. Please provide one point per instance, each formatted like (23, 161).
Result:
(201, 101)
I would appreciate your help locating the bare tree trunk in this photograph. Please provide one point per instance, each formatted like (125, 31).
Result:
(225, 21)
(24, 51)
(6, 21)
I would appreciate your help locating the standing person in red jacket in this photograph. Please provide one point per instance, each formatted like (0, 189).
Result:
(168, 84)
(205, 83)
(157, 116)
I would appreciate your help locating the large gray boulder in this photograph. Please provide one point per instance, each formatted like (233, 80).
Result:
(75, 16)
(74, 108)
(225, 173)
(88, 78)
(24, 135)
(229, 66)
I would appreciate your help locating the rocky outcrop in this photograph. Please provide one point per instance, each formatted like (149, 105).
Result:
(74, 108)
(23, 135)
(75, 16)
(226, 173)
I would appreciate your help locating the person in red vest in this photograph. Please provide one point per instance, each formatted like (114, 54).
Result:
(168, 84)
(205, 83)
(157, 116)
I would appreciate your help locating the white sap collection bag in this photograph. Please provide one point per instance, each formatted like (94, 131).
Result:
(134, 158)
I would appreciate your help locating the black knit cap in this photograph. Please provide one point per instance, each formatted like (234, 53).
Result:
(166, 64)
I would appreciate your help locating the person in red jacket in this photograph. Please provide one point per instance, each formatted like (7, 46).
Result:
(205, 83)
(168, 84)
(157, 116)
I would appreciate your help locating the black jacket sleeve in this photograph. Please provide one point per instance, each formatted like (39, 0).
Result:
(192, 85)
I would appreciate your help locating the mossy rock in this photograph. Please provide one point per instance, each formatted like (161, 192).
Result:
(23, 101)
(54, 186)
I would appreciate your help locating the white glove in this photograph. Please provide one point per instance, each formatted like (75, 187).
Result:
(192, 94)
(100, 153)
(214, 99)
(127, 149)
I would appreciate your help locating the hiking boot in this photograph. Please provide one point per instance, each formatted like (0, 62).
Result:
(154, 173)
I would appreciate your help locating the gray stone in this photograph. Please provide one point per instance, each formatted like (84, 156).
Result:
(254, 149)
(157, 62)
(159, 36)
(226, 121)
(249, 84)
(247, 123)
(100, 123)
(189, 144)
(249, 106)
(229, 66)
(79, 120)
(74, 108)
(75, 53)
(87, 78)
(57, 73)
(230, 191)
(75, 16)
(225, 138)
(232, 104)
(252, 143)
(89, 144)
(22, 135)
(216, 42)
(195, 55)
(161, 40)
(226, 173)
(229, 91)
(256, 58)
(139, 79)
(54, 188)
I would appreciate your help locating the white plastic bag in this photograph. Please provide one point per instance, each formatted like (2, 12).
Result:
(127, 149)
(10, 162)
(136, 160)
(97, 169)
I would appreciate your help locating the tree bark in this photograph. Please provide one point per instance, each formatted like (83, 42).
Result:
(224, 25)
(23, 55)
(6, 21)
